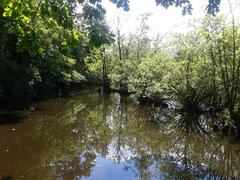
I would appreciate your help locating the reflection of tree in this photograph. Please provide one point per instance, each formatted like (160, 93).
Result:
(224, 159)
(196, 153)
(122, 118)
(131, 136)
(64, 139)
(188, 137)
(78, 167)
(75, 135)
(175, 148)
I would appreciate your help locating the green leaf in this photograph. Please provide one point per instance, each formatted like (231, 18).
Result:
(5, 14)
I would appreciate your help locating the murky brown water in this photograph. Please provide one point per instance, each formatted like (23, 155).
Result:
(89, 136)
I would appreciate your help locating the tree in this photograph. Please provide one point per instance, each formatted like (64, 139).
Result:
(212, 7)
(44, 44)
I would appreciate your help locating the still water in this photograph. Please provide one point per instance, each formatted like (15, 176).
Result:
(91, 136)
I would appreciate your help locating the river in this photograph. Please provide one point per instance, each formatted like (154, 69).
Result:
(108, 137)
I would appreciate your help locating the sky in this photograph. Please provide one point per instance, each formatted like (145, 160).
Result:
(162, 20)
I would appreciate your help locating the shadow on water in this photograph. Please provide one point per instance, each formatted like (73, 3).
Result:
(6, 178)
(11, 118)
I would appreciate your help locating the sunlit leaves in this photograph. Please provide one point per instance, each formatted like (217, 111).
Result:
(45, 40)
(75, 36)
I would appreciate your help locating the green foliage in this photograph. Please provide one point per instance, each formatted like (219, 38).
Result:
(47, 45)
(188, 75)
(186, 5)
(94, 63)
(147, 76)
(42, 46)
(198, 69)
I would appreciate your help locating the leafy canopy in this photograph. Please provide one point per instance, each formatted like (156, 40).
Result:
(186, 5)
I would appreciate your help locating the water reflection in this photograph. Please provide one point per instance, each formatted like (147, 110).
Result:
(92, 136)
(11, 118)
